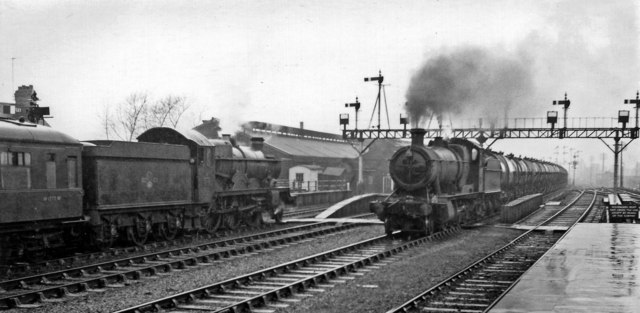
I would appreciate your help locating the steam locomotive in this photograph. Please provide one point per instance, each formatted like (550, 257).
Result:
(56, 190)
(457, 182)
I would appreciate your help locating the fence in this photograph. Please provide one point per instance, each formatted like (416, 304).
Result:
(533, 122)
(316, 185)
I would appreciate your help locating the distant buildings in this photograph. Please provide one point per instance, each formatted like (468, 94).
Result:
(314, 160)
(26, 99)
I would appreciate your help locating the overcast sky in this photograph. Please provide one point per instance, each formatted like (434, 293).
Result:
(289, 61)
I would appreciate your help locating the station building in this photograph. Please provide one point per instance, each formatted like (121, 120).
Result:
(315, 161)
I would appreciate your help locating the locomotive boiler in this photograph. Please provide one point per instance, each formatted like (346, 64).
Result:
(454, 182)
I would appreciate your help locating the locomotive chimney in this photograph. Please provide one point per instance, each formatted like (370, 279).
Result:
(257, 143)
(417, 136)
(226, 137)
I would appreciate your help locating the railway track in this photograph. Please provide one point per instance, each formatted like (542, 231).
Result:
(477, 287)
(55, 286)
(563, 215)
(18, 267)
(15, 268)
(279, 286)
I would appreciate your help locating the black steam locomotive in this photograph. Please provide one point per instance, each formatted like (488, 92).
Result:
(55, 190)
(457, 182)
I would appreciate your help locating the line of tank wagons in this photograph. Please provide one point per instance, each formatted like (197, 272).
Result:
(455, 182)
(56, 190)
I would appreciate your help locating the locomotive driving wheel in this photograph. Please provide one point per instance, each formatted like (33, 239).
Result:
(254, 219)
(139, 231)
(230, 220)
(212, 222)
(169, 229)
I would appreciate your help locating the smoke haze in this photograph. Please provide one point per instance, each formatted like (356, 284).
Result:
(589, 51)
(468, 81)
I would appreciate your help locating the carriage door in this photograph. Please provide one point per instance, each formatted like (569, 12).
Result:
(206, 176)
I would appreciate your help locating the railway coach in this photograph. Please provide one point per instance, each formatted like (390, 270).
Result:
(57, 191)
(40, 187)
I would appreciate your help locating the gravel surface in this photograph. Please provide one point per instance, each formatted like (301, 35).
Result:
(191, 239)
(418, 269)
(153, 288)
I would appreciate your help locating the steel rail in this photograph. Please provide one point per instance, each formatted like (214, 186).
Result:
(444, 285)
(92, 256)
(280, 291)
(115, 273)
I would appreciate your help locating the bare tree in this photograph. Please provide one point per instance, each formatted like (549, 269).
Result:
(129, 116)
(137, 113)
(106, 120)
(166, 112)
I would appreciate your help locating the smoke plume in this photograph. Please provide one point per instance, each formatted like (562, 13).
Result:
(468, 81)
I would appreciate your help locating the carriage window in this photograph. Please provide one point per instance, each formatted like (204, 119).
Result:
(72, 163)
(15, 173)
(15, 158)
(474, 154)
(51, 171)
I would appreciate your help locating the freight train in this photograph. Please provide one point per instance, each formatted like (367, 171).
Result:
(56, 190)
(457, 182)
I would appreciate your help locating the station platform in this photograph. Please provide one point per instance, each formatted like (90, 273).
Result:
(593, 268)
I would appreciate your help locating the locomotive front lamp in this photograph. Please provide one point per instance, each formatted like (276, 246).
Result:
(623, 117)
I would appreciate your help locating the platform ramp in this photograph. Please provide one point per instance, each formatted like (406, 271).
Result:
(355, 205)
(337, 221)
(519, 208)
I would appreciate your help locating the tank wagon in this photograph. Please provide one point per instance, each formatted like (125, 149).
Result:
(56, 190)
(455, 182)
